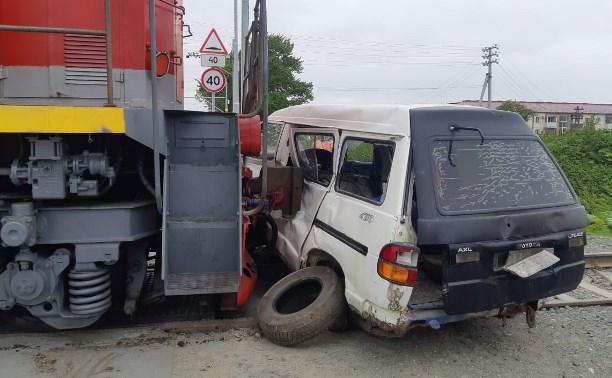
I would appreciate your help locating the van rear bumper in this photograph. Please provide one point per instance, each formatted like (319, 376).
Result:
(495, 292)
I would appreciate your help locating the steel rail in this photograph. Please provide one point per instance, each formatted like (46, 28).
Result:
(598, 260)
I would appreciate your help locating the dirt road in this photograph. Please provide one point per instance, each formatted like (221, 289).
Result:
(567, 342)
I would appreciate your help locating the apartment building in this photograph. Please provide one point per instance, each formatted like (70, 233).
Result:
(560, 116)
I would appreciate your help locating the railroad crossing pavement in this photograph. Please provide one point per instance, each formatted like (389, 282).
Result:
(567, 342)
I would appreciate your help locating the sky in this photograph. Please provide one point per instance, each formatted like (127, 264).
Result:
(429, 51)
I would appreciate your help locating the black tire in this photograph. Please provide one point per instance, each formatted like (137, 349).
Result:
(301, 305)
(271, 244)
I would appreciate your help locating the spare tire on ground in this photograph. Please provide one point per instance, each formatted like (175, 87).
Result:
(301, 305)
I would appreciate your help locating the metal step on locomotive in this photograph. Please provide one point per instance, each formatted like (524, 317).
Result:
(100, 168)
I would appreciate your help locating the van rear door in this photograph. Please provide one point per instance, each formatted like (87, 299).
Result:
(490, 195)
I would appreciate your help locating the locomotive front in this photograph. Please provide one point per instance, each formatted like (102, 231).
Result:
(84, 127)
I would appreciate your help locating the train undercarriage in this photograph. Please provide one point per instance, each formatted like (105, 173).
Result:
(76, 229)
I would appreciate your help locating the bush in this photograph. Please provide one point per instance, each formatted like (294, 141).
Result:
(597, 227)
(585, 155)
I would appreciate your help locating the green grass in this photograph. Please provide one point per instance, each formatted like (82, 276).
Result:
(600, 224)
(362, 152)
(585, 156)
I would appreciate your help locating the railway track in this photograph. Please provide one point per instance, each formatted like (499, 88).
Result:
(589, 293)
(186, 317)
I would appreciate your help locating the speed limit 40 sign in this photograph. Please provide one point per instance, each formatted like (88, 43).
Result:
(213, 80)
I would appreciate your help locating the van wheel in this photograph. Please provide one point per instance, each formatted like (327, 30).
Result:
(301, 305)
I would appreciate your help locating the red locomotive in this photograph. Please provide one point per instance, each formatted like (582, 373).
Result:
(110, 195)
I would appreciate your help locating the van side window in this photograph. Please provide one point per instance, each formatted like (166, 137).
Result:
(365, 169)
(316, 156)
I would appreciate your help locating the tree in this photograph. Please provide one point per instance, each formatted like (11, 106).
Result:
(285, 89)
(517, 107)
(591, 122)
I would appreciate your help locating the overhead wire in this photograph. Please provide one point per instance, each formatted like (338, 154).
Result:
(448, 89)
(376, 89)
(526, 78)
(444, 89)
(355, 42)
(519, 83)
(452, 77)
(397, 55)
(507, 81)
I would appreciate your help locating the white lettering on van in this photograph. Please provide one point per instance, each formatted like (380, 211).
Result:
(575, 235)
(465, 249)
(529, 245)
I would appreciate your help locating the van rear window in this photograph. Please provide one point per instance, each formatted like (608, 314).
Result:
(497, 175)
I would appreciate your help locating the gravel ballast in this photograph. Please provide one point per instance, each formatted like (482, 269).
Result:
(598, 244)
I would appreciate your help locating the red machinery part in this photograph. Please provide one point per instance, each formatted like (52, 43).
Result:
(250, 136)
(249, 274)
(248, 278)
(129, 26)
(36, 60)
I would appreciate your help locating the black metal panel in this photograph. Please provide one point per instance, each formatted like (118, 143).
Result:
(488, 294)
(428, 124)
(484, 285)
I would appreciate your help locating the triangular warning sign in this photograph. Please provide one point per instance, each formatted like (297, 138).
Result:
(213, 45)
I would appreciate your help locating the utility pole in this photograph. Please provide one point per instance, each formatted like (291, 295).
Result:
(490, 56)
(235, 64)
(577, 116)
(245, 32)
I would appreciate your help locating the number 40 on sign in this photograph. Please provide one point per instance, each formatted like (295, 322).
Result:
(212, 60)
(213, 80)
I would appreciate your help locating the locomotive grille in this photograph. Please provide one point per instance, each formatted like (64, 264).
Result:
(85, 59)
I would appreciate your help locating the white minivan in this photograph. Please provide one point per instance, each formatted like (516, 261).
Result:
(417, 216)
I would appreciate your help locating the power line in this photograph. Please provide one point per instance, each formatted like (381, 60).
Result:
(520, 84)
(444, 89)
(355, 42)
(384, 52)
(457, 74)
(358, 51)
(531, 82)
(448, 89)
(345, 63)
(520, 93)
(373, 89)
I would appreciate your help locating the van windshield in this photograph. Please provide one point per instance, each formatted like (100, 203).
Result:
(497, 175)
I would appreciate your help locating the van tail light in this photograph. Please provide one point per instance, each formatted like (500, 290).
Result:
(397, 263)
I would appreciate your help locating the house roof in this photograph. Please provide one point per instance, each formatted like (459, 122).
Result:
(551, 107)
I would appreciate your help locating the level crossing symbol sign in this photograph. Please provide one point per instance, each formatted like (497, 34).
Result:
(213, 80)
(213, 45)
